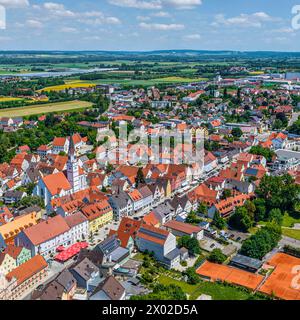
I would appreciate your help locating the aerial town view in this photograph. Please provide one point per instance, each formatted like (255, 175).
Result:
(149, 150)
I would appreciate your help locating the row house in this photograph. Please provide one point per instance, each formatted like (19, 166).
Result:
(17, 283)
(98, 215)
(46, 236)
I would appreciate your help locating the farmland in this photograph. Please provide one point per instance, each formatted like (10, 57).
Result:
(44, 108)
(68, 85)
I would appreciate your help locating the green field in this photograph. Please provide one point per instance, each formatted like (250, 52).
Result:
(291, 233)
(289, 221)
(151, 82)
(44, 108)
(217, 291)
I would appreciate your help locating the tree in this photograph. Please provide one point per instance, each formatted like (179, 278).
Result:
(259, 244)
(226, 194)
(140, 178)
(202, 208)
(237, 132)
(29, 201)
(193, 277)
(217, 256)
(261, 151)
(192, 218)
(191, 244)
(260, 209)
(275, 215)
(218, 221)
(241, 220)
(279, 192)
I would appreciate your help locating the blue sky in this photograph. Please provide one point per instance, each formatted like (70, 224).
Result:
(149, 25)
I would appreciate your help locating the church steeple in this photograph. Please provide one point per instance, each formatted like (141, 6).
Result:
(72, 150)
(73, 167)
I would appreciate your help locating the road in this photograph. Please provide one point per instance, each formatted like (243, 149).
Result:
(294, 118)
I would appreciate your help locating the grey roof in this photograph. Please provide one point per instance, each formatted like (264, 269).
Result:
(30, 210)
(246, 261)
(85, 269)
(14, 194)
(119, 254)
(111, 287)
(66, 279)
(163, 209)
(173, 254)
(120, 199)
(108, 245)
(145, 192)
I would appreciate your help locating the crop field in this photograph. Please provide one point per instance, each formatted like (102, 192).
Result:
(44, 108)
(150, 82)
(69, 85)
(7, 99)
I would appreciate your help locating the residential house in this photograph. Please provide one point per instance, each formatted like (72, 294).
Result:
(98, 214)
(87, 274)
(161, 242)
(180, 229)
(63, 287)
(23, 278)
(109, 289)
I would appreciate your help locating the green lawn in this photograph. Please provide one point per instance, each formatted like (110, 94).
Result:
(290, 221)
(216, 290)
(292, 233)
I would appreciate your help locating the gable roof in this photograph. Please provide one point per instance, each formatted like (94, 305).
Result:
(56, 182)
(111, 287)
(47, 230)
(152, 234)
(182, 227)
(28, 269)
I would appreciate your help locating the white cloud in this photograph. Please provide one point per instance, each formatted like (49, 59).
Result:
(69, 30)
(161, 26)
(14, 3)
(143, 18)
(161, 14)
(137, 4)
(182, 4)
(192, 37)
(34, 24)
(243, 20)
(156, 4)
(58, 9)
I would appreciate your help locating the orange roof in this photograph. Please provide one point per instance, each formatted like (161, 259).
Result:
(151, 219)
(96, 210)
(283, 280)
(153, 234)
(59, 142)
(135, 195)
(128, 228)
(56, 182)
(28, 269)
(11, 229)
(217, 272)
(203, 193)
(13, 251)
(227, 206)
(47, 230)
(182, 227)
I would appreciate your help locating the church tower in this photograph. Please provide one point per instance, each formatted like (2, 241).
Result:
(73, 167)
